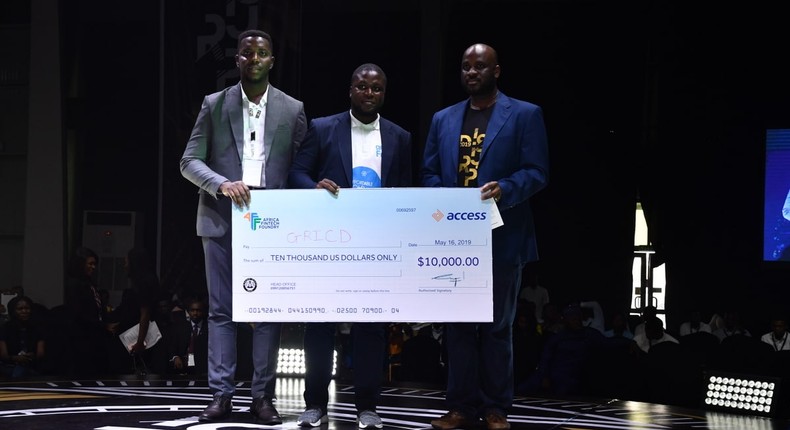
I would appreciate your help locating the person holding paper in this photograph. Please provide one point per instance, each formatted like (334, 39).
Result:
(245, 136)
(132, 317)
(352, 149)
(497, 144)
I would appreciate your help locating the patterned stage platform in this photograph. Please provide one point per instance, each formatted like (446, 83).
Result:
(153, 403)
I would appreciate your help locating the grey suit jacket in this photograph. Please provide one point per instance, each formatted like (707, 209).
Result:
(214, 151)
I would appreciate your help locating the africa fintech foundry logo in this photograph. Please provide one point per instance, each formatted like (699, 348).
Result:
(257, 222)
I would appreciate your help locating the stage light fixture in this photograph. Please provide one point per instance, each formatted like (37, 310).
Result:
(291, 362)
(743, 394)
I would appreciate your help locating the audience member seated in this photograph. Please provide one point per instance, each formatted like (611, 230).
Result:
(397, 333)
(701, 347)
(777, 337)
(716, 322)
(615, 365)
(527, 342)
(618, 326)
(5, 297)
(552, 320)
(778, 362)
(731, 326)
(671, 377)
(653, 334)
(648, 312)
(566, 358)
(592, 315)
(39, 311)
(534, 293)
(21, 341)
(694, 325)
(742, 354)
(421, 358)
(187, 341)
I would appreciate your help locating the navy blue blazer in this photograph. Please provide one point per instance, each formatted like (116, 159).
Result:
(326, 153)
(514, 153)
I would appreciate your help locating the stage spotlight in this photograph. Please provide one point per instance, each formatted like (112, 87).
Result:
(291, 362)
(743, 394)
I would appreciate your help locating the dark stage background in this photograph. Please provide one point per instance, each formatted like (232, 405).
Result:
(665, 102)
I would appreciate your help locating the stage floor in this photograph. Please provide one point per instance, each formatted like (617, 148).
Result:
(158, 403)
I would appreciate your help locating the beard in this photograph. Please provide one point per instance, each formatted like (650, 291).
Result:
(484, 86)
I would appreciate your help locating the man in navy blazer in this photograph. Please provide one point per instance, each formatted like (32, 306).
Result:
(498, 144)
(356, 149)
(187, 340)
(245, 136)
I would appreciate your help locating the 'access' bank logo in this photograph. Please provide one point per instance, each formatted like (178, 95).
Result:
(459, 216)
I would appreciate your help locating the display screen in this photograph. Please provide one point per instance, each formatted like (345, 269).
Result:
(776, 238)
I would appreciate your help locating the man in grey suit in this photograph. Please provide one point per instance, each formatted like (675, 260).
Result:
(245, 137)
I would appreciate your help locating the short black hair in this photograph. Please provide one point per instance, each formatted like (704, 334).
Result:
(195, 300)
(75, 267)
(253, 33)
(368, 67)
(11, 309)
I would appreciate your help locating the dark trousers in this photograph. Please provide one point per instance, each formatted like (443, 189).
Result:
(369, 343)
(480, 355)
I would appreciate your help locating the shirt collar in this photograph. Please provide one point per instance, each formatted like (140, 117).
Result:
(355, 123)
(246, 100)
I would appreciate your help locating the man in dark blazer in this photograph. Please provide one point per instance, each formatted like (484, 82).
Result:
(356, 149)
(245, 136)
(187, 340)
(498, 144)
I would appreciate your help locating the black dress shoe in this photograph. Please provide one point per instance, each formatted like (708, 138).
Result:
(219, 409)
(264, 412)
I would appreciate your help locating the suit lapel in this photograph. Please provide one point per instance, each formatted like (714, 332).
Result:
(272, 120)
(233, 109)
(502, 110)
(451, 142)
(387, 147)
(343, 136)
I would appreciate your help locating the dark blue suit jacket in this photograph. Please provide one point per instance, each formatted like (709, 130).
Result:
(515, 153)
(326, 153)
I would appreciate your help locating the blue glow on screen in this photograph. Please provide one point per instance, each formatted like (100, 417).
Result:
(776, 239)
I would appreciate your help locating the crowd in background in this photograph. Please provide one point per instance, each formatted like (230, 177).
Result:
(570, 349)
(87, 336)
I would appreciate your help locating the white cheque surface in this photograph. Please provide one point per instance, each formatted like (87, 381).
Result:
(376, 254)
